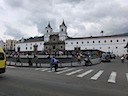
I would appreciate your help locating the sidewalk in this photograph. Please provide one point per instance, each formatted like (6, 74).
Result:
(45, 65)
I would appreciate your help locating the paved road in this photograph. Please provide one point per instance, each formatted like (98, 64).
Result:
(105, 79)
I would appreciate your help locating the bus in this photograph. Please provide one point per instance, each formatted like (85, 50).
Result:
(2, 61)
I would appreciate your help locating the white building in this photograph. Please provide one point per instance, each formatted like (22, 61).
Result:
(113, 43)
(10, 44)
(26, 45)
(2, 44)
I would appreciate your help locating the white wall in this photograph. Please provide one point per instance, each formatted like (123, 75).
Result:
(29, 46)
(99, 43)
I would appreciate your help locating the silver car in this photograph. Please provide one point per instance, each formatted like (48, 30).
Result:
(106, 57)
(92, 59)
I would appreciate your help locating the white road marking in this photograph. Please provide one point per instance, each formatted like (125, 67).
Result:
(10, 67)
(65, 71)
(39, 68)
(73, 72)
(85, 73)
(112, 78)
(127, 76)
(97, 75)
(59, 69)
(50, 71)
(45, 69)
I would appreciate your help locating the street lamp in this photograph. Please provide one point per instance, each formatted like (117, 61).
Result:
(102, 32)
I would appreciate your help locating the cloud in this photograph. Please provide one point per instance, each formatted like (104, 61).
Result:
(13, 32)
(82, 17)
(14, 3)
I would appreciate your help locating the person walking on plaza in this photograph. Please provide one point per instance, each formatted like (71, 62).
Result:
(56, 64)
(79, 58)
(51, 62)
(36, 60)
(18, 60)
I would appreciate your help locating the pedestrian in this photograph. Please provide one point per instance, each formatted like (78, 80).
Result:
(30, 61)
(18, 60)
(122, 58)
(51, 63)
(56, 64)
(79, 58)
(36, 60)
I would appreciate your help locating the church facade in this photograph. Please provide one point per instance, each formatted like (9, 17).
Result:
(59, 41)
(55, 41)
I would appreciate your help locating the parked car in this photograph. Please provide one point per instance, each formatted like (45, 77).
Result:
(113, 56)
(106, 57)
(92, 59)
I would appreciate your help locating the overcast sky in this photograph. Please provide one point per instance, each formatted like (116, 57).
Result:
(28, 18)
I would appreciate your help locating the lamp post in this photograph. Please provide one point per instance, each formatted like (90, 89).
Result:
(126, 47)
(127, 51)
(102, 32)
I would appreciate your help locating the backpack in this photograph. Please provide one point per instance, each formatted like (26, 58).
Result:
(55, 61)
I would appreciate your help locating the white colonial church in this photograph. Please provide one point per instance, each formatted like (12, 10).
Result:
(113, 43)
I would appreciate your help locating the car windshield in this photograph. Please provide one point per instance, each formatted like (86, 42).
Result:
(1, 56)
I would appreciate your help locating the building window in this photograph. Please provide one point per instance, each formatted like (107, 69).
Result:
(100, 47)
(93, 41)
(31, 43)
(116, 47)
(40, 43)
(108, 47)
(82, 42)
(124, 40)
(62, 29)
(66, 42)
(71, 42)
(99, 41)
(46, 47)
(54, 47)
(117, 40)
(26, 48)
(61, 47)
(87, 41)
(111, 41)
(104, 41)
(30, 47)
(26, 44)
(76, 42)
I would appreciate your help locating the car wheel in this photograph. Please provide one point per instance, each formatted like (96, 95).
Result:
(89, 63)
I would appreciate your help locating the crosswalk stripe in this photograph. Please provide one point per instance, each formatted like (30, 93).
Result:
(97, 75)
(73, 72)
(112, 78)
(45, 69)
(39, 68)
(65, 71)
(58, 69)
(127, 76)
(85, 73)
